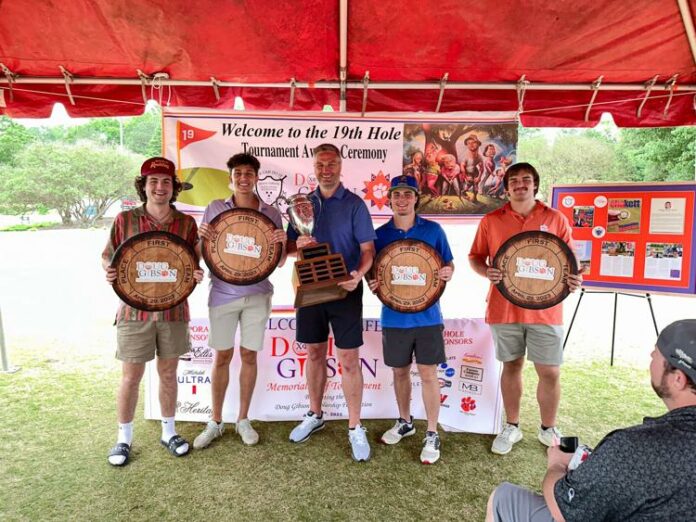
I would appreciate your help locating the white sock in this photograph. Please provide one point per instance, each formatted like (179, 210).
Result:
(125, 435)
(168, 428)
(168, 431)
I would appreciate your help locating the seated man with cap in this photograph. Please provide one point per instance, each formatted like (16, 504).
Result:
(409, 335)
(644, 472)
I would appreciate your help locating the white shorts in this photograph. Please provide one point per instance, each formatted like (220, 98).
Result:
(251, 313)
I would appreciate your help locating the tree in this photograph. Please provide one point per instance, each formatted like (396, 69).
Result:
(13, 138)
(98, 130)
(665, 154)
(143, 134)
(79, 181)
(572, 158)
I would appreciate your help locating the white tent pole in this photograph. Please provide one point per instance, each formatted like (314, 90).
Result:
(688, 26)
(6, 368)
(343, 52)
(351, 84)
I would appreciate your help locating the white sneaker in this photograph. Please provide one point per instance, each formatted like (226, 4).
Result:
(359, 446)
(550, 436)
(247, 432)
(212, 431)
(431, 448)
(504, 441)
(401, 429)
(310, 423)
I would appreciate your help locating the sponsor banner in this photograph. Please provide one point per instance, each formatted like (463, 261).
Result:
(470, 399)
(458, 159)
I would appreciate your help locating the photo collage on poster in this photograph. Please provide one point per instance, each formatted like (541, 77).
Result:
(632, 235)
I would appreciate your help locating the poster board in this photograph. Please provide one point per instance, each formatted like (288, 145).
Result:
(470, 397)
(633, 237)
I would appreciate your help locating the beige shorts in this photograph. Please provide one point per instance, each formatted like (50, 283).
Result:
(251, 313)
(543, 343)
(140, 341)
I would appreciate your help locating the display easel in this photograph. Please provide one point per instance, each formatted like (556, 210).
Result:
(613, 328)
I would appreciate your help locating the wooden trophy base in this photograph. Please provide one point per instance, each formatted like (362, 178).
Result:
(317, 274)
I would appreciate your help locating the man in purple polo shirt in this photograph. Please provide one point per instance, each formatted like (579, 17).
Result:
(343, 221)
(232, 305)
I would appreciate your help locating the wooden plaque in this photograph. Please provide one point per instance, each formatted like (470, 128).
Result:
(407, 273)
(241, 251)
(317, 274)
(535, 268)
(154, 271)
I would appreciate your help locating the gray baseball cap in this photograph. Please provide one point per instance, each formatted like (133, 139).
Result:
(677, 343)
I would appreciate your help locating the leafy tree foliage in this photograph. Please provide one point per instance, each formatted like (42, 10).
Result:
(79, 181)
(571, 158)
(13, 138)
(665, 154)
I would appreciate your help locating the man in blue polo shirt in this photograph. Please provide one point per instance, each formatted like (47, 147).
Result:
(404, 334)
(343, 221)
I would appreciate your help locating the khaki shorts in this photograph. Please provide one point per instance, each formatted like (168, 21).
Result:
(251, 313)
(543, 343)
(140, 341)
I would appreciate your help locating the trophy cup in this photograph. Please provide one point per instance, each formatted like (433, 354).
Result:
(317, 271)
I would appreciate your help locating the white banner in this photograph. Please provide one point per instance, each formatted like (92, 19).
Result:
(458, 159)
(469, 381)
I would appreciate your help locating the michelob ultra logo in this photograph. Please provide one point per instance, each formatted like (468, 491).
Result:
(155, 272)
(242, 246)
(407, 276)
(534, 269)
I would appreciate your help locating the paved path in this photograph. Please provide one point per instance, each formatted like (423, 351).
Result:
(52, 293)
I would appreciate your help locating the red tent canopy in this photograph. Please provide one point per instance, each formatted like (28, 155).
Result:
(633, 59)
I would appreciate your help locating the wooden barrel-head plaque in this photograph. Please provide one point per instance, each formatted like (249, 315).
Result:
(535, 267)
(240, 251)
(407, 273)
(154, 271)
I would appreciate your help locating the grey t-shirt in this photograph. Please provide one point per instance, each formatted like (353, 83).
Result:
(642, 473)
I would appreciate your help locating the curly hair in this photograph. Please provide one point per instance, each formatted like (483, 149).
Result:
(139, 185)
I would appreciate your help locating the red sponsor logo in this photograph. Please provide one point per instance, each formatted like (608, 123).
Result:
(443, 398)
(468, 404)
(377, 190)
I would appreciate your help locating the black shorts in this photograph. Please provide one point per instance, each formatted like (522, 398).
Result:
(400, 344)
(344, 316)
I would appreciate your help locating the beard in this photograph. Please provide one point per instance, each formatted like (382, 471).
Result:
(661, 389)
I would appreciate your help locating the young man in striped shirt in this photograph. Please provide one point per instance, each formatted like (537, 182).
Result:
(142, 335)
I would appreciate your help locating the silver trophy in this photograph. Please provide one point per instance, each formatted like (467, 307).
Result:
(300, 212)
(317, 271)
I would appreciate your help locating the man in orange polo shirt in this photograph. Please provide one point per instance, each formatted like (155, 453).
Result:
(518, 330)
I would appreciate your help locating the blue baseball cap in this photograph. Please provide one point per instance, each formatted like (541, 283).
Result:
(404, 182)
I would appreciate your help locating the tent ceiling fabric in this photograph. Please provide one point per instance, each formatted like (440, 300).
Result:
(271, 42)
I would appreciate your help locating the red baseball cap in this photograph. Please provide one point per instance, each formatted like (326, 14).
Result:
(158, 165)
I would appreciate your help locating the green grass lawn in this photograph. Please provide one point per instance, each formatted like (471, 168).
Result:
(58, 422)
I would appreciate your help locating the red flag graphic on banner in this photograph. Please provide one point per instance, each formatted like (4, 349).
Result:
(187, 134)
